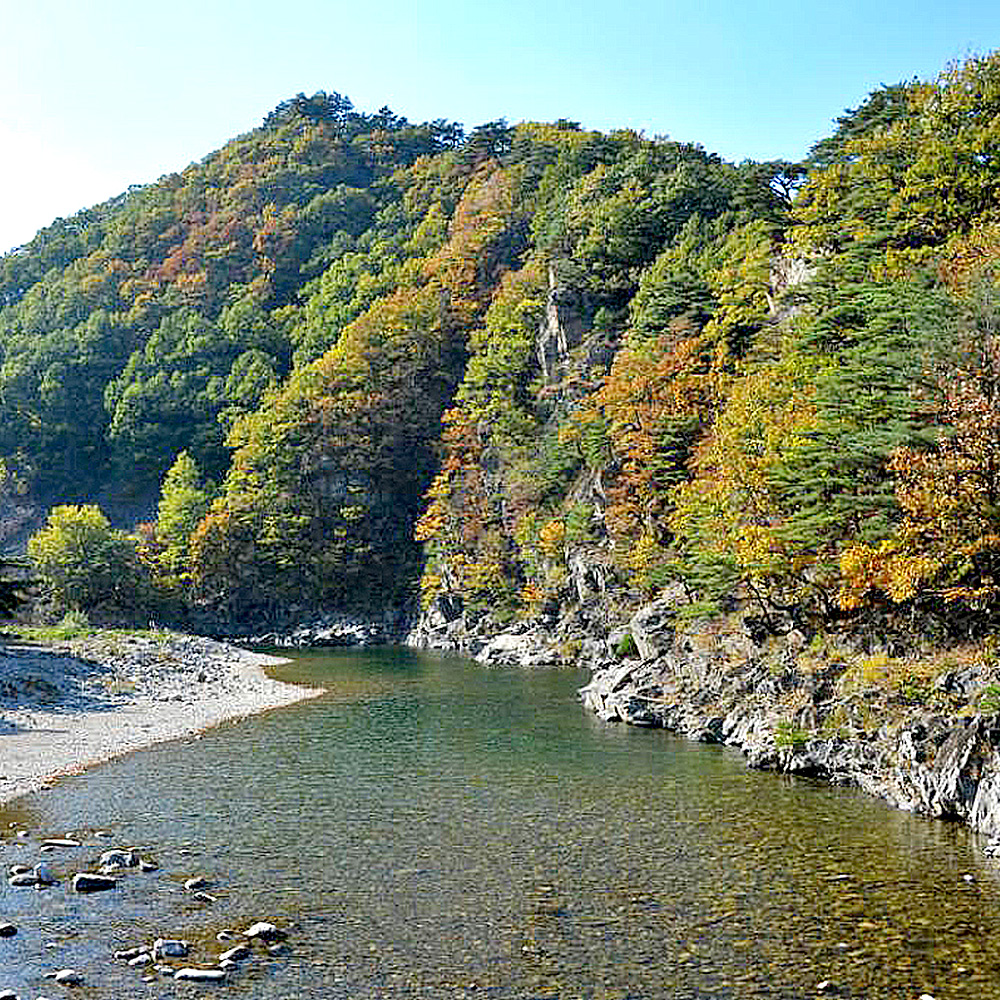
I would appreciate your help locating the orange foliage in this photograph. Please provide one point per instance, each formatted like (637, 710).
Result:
(948, 544)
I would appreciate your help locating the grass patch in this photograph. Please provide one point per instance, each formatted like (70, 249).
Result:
(74, 626)
(789, 736)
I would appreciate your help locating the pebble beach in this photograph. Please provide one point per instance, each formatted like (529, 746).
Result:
(66, 706)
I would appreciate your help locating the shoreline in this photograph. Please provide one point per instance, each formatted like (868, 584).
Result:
(918, 728)
(68, 706)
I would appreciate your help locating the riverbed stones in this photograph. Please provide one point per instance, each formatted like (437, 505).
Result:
(66, 977)
(93, 882)
(7, 930)
(8, 995)
(198, 882)
(127, 954)
(119, 858)
(24, 880)
(61, 842)
(236, 954)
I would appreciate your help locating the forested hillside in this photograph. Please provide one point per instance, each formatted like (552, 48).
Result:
(363, 362)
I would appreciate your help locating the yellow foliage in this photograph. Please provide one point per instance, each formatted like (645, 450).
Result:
(728, 510)
(884, 567)
(552, 537)
(532, 595)
(431, 584)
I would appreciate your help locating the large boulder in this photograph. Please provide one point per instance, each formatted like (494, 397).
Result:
(653, 625)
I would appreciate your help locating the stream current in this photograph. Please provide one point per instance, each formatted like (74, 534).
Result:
(428, 828)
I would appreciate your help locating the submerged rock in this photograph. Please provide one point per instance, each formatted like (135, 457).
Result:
(127, 954)
(93, 882)
(67, 977)
(43, 873)
(119, 858)
(170, 948)
(24, 880)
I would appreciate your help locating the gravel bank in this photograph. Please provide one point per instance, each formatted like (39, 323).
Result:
(67, 706)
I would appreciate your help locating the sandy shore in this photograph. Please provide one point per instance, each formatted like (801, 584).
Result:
(67, 706)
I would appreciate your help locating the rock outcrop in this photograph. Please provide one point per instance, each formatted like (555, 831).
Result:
(926, 750)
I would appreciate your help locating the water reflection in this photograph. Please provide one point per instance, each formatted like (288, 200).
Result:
(438, 830)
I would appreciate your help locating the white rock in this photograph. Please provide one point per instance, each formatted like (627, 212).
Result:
(119, 858)
(264, 931)
(201, 975)
(126, 953)
(170, 948)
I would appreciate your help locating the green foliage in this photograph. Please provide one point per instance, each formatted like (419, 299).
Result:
(336, 316)
(85, 564)
(184, 502)
(834, 483)
(626, 648)
(790, 737)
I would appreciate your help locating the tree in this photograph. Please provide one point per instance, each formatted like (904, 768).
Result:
(184, 501)
(84, 563)
(945, 552)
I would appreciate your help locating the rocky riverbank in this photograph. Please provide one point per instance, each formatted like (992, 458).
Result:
(65, 706)
(49, 876)
(916, 726)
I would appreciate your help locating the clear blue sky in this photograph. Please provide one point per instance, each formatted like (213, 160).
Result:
(101, 94)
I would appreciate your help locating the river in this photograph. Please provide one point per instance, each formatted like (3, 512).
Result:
(433, 829)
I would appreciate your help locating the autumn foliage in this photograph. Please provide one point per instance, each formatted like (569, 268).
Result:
(355, 361)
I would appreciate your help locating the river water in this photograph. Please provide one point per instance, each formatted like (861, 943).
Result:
(432, 829)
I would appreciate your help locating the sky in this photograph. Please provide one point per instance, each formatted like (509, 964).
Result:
(98, 95)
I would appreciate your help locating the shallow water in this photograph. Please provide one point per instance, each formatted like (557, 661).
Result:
(434, 829)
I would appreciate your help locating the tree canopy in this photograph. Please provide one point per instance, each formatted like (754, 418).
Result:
(358, 358)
